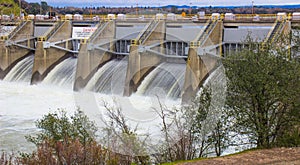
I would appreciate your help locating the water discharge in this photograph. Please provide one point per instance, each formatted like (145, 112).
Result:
(63, 74)
(22, 71)
(110, 78)
(167, 78)
(22, 104)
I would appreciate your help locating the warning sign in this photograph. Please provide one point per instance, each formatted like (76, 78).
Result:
(82, 32)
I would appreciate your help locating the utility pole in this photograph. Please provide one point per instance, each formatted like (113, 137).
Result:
(91, 14)
(252, 8)
(20, 8)
(41, 8)
(137, 9)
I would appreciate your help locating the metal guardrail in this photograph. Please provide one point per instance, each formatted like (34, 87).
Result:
(17, 29)
(278, 27)
(99, 29)
(141, 38)
(152, 16)
(50, 32)
(199, 41)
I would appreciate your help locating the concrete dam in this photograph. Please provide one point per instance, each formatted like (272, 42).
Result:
(126, 56)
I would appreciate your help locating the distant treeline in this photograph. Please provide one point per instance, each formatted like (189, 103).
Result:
(43, 8)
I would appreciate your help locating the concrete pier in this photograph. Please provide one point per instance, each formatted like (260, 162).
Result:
(91, 59)
(16, 46)
(141, 63)
(47, 58)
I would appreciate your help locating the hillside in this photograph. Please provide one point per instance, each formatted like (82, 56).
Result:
(9, 7)
(263, 156)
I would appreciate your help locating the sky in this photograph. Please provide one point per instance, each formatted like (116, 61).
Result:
(117, 3)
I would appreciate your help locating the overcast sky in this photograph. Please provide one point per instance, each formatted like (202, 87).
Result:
(164, 2)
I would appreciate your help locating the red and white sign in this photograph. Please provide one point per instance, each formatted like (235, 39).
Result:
(82, 32)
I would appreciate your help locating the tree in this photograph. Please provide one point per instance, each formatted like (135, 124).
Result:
(121, 138)
(195, 130)
(44, 7)
(263, 91)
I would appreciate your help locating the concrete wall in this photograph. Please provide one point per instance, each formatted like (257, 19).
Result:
(41, 30)
(46, 59)
(199, 66)
(216, 35)
(128, 33)
(157, 35)
(107, 34)
(239, 35)
(182, 33)
(89, 61)
(197, 70)
(11, 55)
(140, 64)
(25, 32)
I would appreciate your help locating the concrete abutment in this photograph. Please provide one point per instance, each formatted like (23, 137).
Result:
(11, 54)
(47, 58)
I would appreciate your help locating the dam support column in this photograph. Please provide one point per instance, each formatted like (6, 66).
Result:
(90, 58)
(200, 63)
(89, 61)
(3, 59)
(47, 57)
(15, 47)
(141, 62)
(195, 73)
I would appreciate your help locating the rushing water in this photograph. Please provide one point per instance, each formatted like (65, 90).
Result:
(22, 71)
(22, 104)
(63, 74)
(110, 78)
(167, 78)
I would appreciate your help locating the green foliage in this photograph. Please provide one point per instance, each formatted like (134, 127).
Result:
(9, 7)
(290, 138)
(68, 140)
(263, 91)
(58, 127)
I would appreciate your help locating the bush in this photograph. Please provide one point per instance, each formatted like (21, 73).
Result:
(68, 140)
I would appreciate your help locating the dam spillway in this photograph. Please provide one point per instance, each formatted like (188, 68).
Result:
(110, 78)
(62, 74)
(166, 79)
(21, 72)
(123, 56)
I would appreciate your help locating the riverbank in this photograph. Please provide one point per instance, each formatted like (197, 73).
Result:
(261, 156)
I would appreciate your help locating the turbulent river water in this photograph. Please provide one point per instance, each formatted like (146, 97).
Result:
(22, 104)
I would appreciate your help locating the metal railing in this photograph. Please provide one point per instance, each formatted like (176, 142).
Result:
(278, 27)
(99, 29)
(152, 16)
(51, 32)
(17, 29)
(141, 38)
(199, 41)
